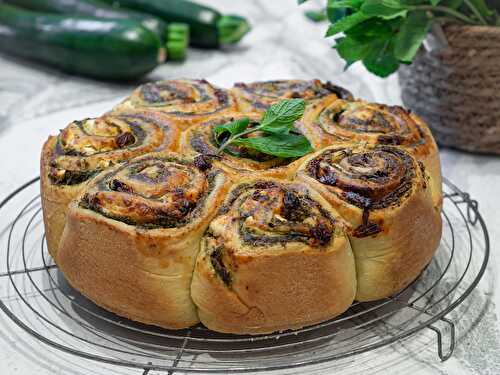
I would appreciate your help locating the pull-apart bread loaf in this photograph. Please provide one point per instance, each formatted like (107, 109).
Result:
(85, 148)
(150, 217)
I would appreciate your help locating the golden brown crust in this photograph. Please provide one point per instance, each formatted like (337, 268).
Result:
(384, 200)
(326, 122)
(258, 96)
(429, 156)
(199, 140)
(86, 147)
(184, 101)
(273, 259)
(244, 242)
(389, 262)
(141, 271)
(55, 199)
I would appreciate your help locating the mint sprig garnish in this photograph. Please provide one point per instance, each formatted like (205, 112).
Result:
(280, 117)
(280, 145)
(383, 34)
(277, 135)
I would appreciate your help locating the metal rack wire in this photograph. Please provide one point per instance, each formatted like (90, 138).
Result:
(50, 310)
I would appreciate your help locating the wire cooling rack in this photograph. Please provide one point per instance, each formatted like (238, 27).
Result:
(46, 307)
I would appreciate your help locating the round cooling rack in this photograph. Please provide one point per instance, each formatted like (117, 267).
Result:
(42, 303)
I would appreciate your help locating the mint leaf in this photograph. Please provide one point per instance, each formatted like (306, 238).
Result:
(231, 128)
(351, 50)
(385, 33)
(386, 9)
(340, 4)
(279, 117)
(276, 124)
(335, 13)
(373, 30)
(346, 23)
(372, 42)
(380, 60)
(280, 145)
(278, 128)
(301, 1)
(411, 35)
(316, 15)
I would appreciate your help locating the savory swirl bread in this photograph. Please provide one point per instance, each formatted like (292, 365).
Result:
(258, 96)
(274, 258)
(325, 122)
(85, 148)
(190, 203)
(382, 195)
(185, 101)
(131, 239)
(199, 139)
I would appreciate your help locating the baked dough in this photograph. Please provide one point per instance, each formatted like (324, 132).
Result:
(258, 96)
(184, 101)
(384, 199)
(131, 239)
(146, 219)
(325, 122)
(85, 148)
(273, 259)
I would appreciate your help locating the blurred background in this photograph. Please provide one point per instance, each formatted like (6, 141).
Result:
(282, 43)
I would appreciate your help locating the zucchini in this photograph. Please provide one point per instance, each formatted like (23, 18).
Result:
(100, 48)
(174, 36)
(208, 28)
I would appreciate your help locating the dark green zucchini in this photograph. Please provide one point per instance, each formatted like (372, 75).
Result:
(100, 48)
(208, 28)
(175, 37)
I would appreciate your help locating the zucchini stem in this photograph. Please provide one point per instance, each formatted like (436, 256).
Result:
(177, 41)
(231, 29)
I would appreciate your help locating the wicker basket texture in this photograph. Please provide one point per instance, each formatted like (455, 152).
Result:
(457, 89)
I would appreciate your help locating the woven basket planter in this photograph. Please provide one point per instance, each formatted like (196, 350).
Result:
(457, 89)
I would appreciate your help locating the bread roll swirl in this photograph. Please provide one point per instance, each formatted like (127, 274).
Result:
(359, 121)
(258, 96)
(367, 178)
(149, 193)
(185, 101)
(139, 225)
(85, 148)
(383, 198)
(274, 258)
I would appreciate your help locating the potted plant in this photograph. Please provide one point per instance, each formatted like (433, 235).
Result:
(446, 52)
